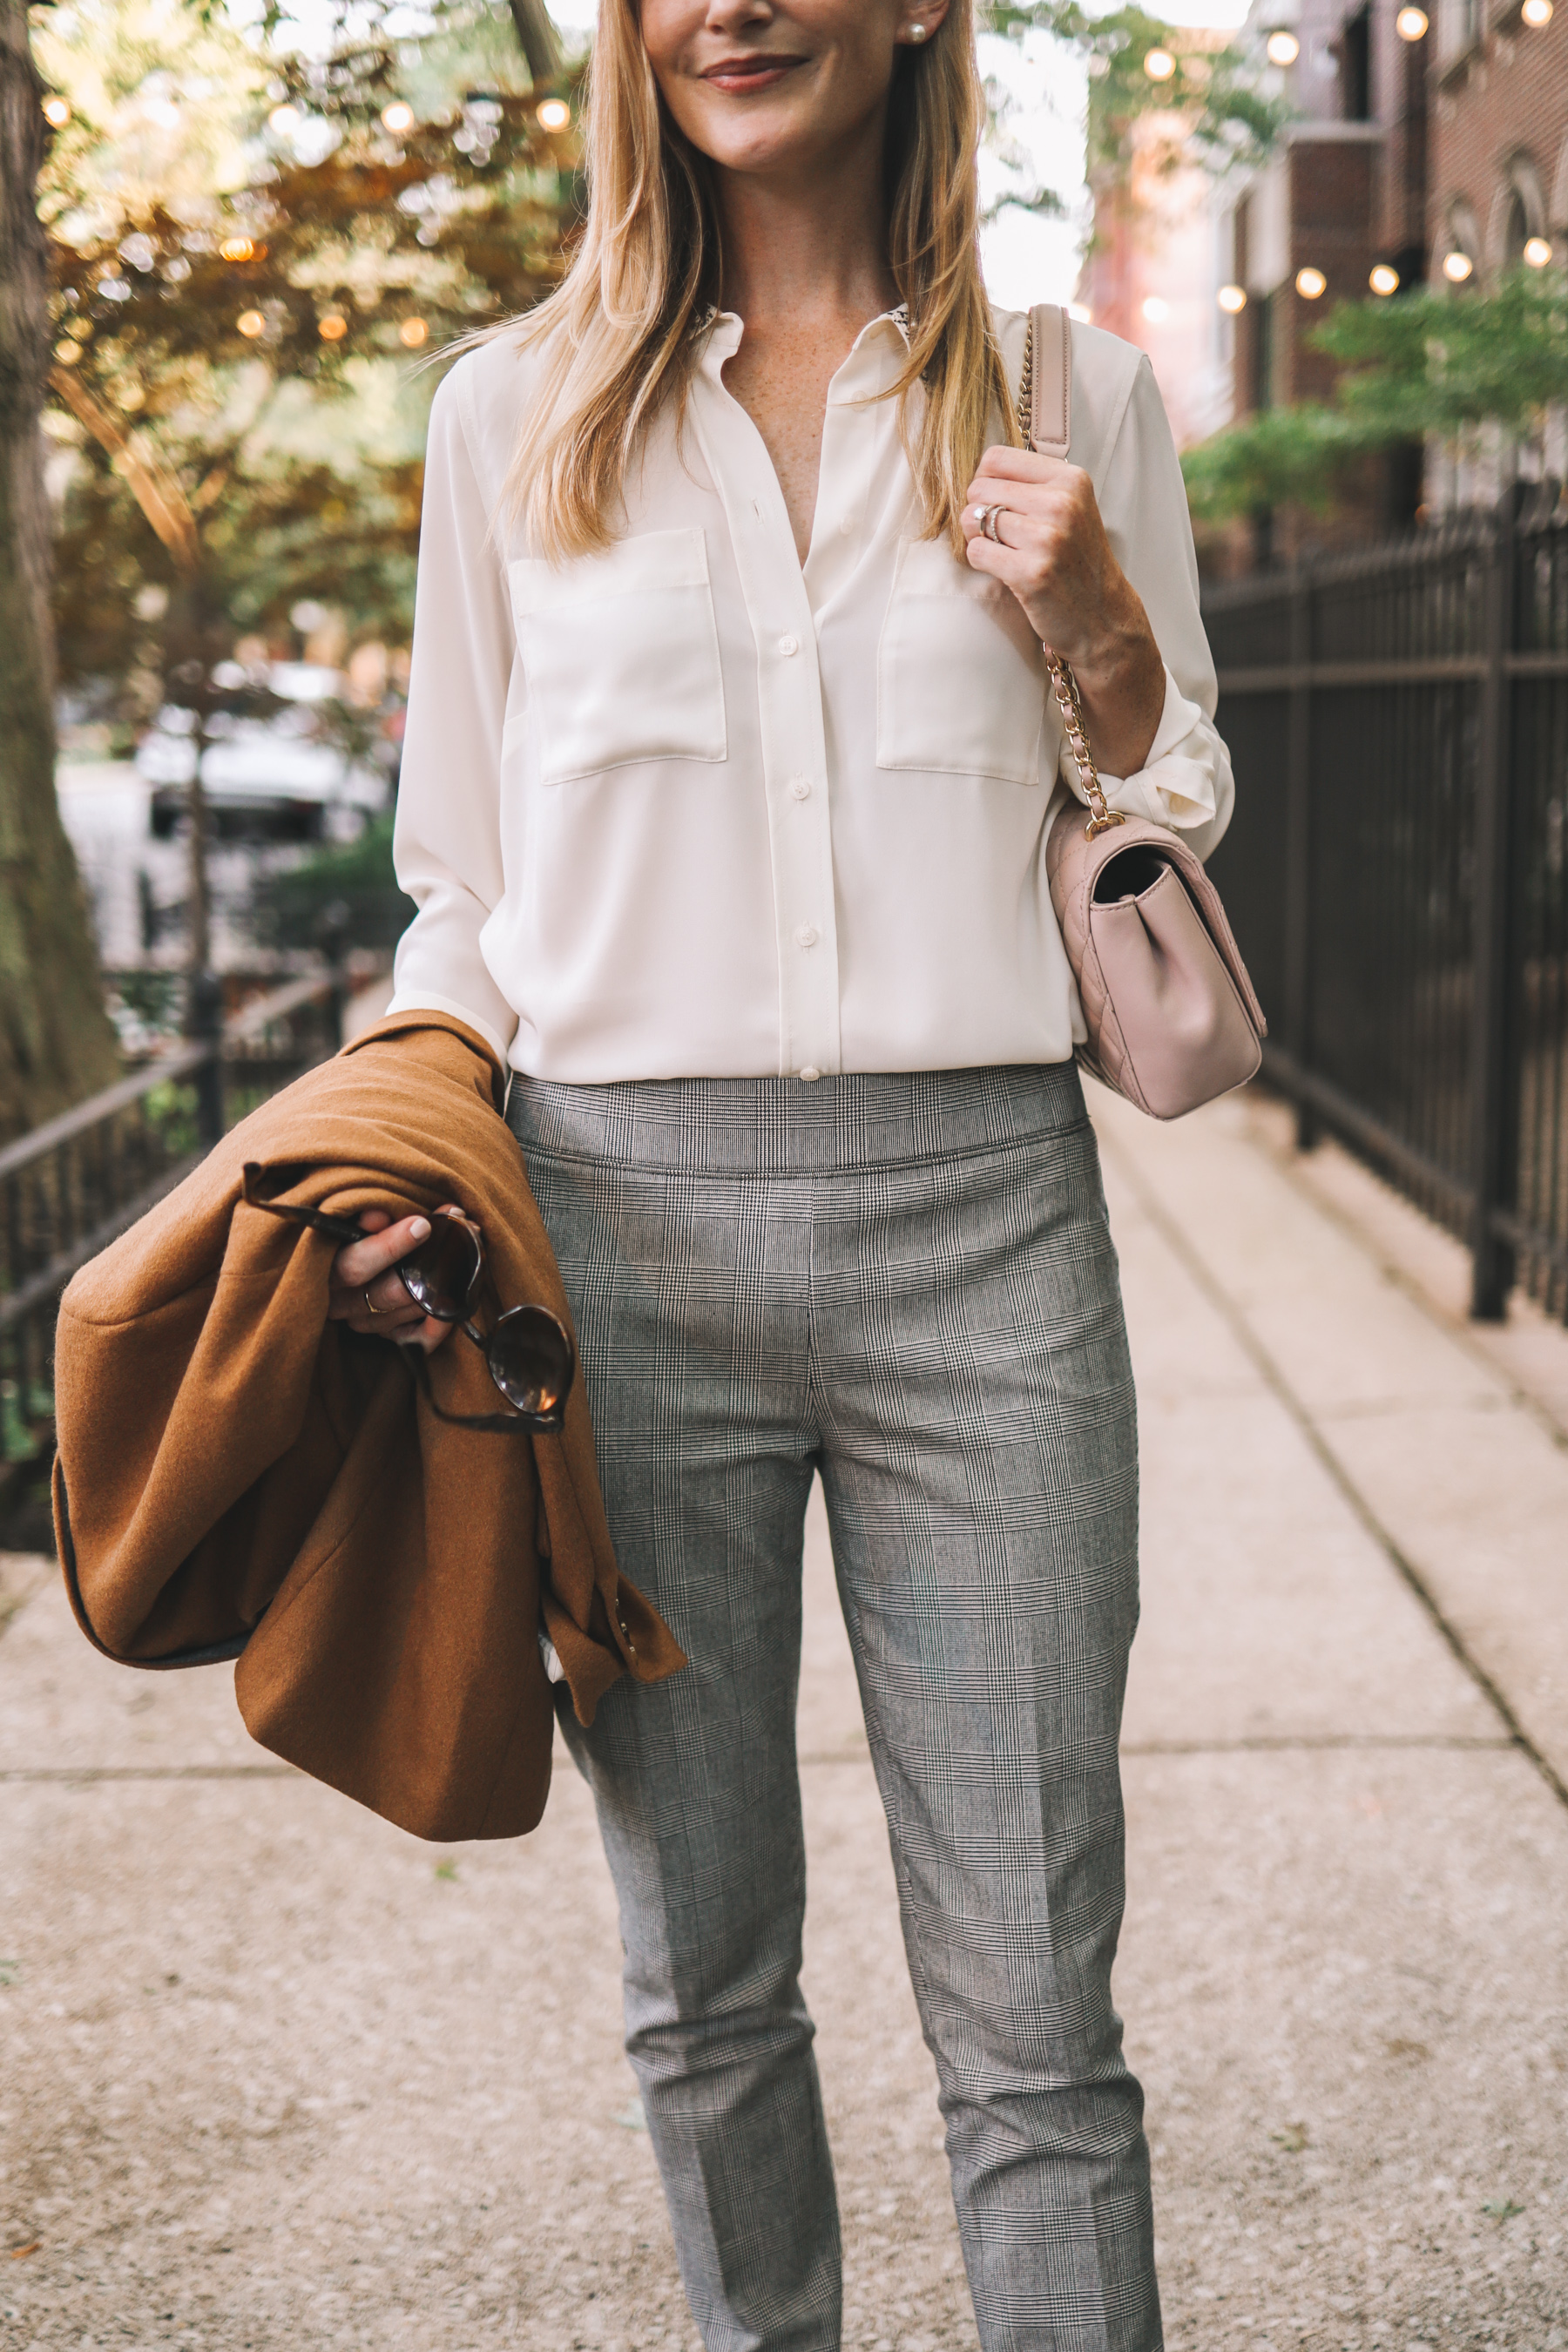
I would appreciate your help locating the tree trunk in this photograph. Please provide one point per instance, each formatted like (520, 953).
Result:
(536, 37)
(57, 1044)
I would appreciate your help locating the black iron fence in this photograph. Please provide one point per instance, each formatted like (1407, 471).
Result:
(1396, 870)
(67, 1189)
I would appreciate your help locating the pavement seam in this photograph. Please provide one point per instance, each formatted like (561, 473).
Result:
(1284, 1743)
(1274, 1380)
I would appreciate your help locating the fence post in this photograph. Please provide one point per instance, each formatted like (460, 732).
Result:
(1298, 850)
(203, 1025)
(1494, 1140)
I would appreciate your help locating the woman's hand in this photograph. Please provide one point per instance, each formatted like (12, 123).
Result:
(1053, 555)
(362, 1280)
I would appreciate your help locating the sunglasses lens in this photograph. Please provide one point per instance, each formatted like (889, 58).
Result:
(439, 1275)
(531, 1361)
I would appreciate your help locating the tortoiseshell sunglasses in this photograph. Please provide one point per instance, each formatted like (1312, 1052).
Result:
(529, 1352)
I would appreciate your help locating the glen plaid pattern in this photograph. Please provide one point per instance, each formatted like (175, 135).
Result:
(905, 1282)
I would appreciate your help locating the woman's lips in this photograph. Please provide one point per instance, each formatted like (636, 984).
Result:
(742, 74)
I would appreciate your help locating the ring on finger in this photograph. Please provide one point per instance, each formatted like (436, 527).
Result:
(370, 1306)
(989, 522)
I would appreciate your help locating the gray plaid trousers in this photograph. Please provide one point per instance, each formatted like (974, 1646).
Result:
(907, 1284)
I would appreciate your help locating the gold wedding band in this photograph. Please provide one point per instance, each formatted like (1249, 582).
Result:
(370, 1306)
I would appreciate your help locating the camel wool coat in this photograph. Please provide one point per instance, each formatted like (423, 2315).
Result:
(238, 1477)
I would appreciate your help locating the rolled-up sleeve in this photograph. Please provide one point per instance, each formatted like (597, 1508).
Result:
(1185, 780)
(446, 842)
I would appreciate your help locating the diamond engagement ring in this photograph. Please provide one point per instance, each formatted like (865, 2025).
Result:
(986, 518)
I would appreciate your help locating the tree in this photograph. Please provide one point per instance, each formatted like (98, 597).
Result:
(1435, 363)
(56, 1041)
(1229, 105)
(387, 205)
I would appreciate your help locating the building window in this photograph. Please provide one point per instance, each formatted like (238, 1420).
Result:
(1458, 29)
(1355, 68)
(1262, 387)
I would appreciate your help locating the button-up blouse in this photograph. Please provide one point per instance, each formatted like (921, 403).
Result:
(688, 807)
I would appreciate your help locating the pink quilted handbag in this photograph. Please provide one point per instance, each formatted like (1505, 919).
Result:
(1173, 1018)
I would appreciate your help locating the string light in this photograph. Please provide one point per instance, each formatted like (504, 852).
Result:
(1384, 279)
(1537, 251)
(237, 248)
(57, 110)
(1311, 283)
(412, 333)
(285, 119)
(1159, 65)
(1457, 267)
(1282, 48)
(554, 114)
(1410, 24)
(1232, 300)
(1155, 309)
(333, 328)
(398, 117)
(251, 323)
(1536, 13)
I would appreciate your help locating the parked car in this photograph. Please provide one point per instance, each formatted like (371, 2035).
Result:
(285, 777)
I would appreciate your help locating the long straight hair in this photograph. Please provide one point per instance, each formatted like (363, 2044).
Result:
(617, 337)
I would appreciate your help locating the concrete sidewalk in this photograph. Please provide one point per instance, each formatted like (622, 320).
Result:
(273, 2076)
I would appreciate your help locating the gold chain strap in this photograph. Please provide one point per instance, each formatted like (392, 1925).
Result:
(1067, 697)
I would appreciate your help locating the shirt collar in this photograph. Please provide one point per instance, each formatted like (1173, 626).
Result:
(882, 340)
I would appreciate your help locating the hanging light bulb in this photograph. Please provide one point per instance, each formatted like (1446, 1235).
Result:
(554, 114)
(1457, 267)
(1232, 300)
(1282, 48)
(1537, 251)
(1159, 65)
(1410, 24)
(1384, 279)
(1536, 13)
(251, 323)
(398, 117)
(1311, 283)
(57, 110)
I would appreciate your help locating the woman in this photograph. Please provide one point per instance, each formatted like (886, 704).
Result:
(727, 771)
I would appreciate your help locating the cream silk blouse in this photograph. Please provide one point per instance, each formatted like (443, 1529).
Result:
(687, 809)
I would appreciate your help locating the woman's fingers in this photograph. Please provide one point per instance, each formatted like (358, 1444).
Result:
(362, 1262)
(368, 1294)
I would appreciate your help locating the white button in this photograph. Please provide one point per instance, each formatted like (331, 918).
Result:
(808, 1073)
(801, 787)
(807, 935)
(789, 646)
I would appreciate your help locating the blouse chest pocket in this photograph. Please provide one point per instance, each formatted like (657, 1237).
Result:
(960, 679)
(621, 651)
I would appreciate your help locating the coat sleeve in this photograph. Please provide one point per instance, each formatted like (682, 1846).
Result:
(1185, 782)
(446, 842)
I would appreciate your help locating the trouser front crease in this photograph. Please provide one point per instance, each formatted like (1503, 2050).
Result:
(906, 1284)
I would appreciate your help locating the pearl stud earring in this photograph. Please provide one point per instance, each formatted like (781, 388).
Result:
(917, 32)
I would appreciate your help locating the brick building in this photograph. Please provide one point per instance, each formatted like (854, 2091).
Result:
(1421, 149)
(1498, 132)
(1158, 257)
(1340, 211)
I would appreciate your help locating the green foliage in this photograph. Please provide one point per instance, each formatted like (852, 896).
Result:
(1281, 456)
(358, 879)
(1229, 104)
(251, 268)
(1437, 360)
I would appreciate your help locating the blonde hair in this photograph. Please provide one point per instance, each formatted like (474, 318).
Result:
(617, 339)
